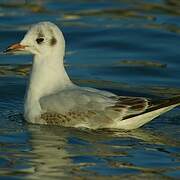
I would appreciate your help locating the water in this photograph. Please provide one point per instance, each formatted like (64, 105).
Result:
(127, 47)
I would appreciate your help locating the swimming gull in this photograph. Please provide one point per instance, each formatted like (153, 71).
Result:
(52, 98)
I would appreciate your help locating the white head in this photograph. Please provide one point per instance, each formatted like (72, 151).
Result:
(42, 39)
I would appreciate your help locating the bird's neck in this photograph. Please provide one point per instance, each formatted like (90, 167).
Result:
(48, 76)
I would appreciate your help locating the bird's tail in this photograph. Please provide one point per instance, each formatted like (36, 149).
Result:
(151, 113)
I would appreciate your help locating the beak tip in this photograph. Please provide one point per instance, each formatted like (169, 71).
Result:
(8, 50)
(5, 51)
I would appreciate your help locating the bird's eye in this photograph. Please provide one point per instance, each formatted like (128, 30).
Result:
(39, 40)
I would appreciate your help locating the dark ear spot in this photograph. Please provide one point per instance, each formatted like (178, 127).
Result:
(53, 41)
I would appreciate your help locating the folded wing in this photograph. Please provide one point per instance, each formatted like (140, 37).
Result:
(89, 108)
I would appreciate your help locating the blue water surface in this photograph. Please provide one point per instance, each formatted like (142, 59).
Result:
(127, 47)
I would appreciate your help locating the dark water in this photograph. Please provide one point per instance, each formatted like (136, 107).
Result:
(128, 47)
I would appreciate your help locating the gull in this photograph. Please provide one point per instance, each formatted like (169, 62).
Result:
(53, 99)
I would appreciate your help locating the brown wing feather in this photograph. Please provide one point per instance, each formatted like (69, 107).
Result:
(130, 105)
(68, 119)
(157, 104)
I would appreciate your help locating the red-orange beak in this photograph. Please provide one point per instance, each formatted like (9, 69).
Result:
(14, 48)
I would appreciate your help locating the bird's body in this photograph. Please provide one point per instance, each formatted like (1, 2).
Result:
(52, 98)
